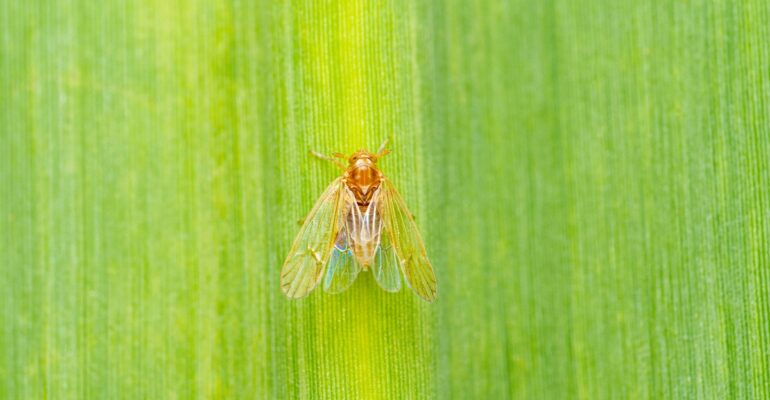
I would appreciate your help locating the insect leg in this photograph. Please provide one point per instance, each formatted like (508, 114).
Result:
(327, 158)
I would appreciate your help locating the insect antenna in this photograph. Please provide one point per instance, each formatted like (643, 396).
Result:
(382, 151)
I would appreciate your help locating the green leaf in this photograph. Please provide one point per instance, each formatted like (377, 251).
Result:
(590, 178)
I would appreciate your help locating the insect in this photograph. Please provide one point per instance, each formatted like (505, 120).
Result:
(359, 223)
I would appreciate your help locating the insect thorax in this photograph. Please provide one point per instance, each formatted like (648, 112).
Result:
(363, 179)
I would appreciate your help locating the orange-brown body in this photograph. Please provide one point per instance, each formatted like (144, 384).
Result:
(362, 177)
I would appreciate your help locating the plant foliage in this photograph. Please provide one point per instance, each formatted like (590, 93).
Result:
(590, 177)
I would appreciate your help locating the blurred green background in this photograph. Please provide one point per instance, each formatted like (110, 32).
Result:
(590, 177)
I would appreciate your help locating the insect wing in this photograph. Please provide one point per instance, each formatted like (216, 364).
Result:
(304, 265)
(366, 230)
(402, 233)
(343, 268)
(386, 265)
(358, 232)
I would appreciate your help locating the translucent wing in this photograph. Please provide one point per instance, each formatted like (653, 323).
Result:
(402, 232)
(364, 228)
(374, 245)
(386, 265)
(343, 268)
(304, 265)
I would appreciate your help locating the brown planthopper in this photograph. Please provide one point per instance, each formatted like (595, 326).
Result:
(359, 223)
